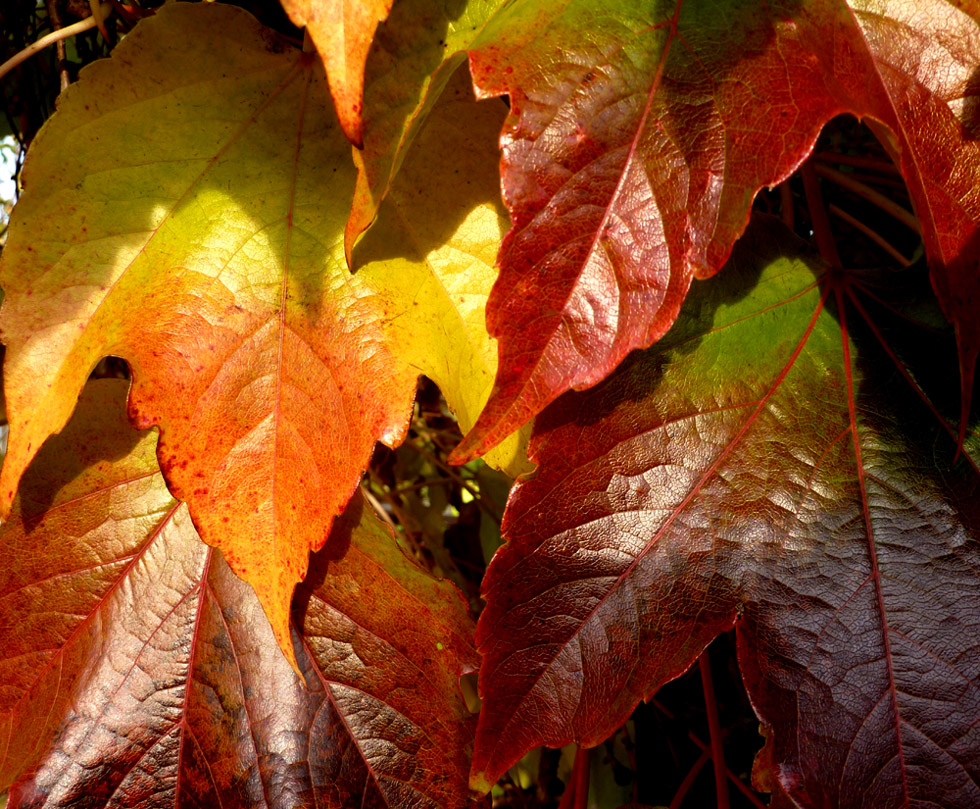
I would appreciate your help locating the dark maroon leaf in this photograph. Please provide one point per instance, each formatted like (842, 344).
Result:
(768, 459)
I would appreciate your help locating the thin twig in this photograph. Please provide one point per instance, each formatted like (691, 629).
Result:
(378, 508)
(55, 36)
(414, 487)
(400, 516)
(884, 166)
(876, 180)
(54, 14)
(714, 729)
(890, 207)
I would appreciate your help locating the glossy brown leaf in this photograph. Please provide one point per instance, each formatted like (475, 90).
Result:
(769, 458)
(640, 132)
(137, 670)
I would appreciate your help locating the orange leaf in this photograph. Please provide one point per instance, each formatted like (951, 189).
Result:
(205, 251)
(342, 31)
(191, 222)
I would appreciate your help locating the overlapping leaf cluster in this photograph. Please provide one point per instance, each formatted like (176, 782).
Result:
(782, 455)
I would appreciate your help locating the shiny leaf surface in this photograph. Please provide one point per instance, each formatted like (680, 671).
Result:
(138, 670)
(640, 132)
(768, 460)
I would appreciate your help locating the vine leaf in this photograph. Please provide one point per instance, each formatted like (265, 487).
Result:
(431, 253)
(410, 64)
(137, 667)
(768, 458)
(210, 257)
(630, 162)
(342, 31)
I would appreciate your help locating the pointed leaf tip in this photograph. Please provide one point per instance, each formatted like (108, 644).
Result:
(342, 31)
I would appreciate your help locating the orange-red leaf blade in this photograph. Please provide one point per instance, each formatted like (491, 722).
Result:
(342, 31)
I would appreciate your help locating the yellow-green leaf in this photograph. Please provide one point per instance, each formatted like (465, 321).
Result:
(410, 63)
(445, 219)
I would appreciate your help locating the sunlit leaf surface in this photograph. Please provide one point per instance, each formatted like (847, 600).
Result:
(191, 222)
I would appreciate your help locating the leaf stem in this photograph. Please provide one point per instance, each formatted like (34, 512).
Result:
(786, 204)
(877, 238)
(688, 781)
(576, 794)
(818, 216)
(888, 206)
(583, 768)
(739, 784)
(714, 728)
(99, 18)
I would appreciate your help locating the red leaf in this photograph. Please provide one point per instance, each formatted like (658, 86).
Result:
(640, 132)
(765, 458)
(137, 669)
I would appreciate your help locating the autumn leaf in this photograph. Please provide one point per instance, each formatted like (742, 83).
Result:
(771, 458)
(431, 257)
(135, 665)
(640, 132)
(342, 31)
(411, 61)
(191, 222)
